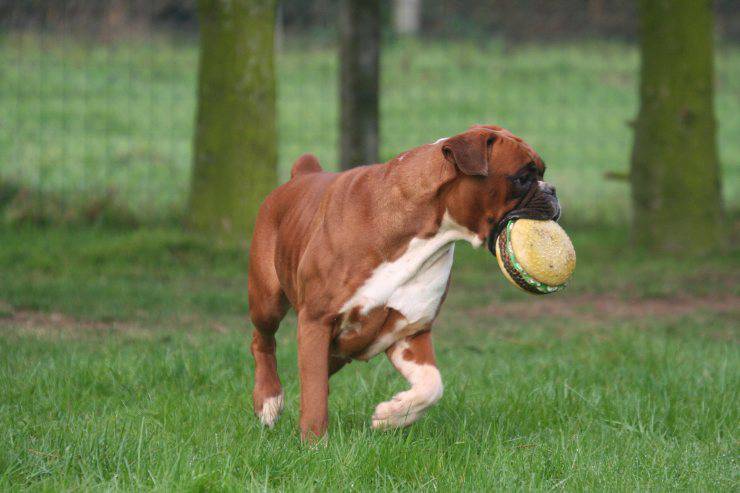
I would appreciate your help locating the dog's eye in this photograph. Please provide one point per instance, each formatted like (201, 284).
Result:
(521, 184)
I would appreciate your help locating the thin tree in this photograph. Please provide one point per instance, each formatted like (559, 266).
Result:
(359, 53)
(235, 150)
(407, 17)
(675, 171)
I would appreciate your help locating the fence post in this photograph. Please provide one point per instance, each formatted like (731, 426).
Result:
(407, 17)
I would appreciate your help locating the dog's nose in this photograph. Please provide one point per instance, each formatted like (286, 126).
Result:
(547, 188)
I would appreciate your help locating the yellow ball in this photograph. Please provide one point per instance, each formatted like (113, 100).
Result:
(536, 256)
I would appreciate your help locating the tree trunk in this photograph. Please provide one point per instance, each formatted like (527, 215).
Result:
(675, 172)
(235, 151)
(359, 52)
(407, 17)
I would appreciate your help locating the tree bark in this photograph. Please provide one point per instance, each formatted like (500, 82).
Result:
(675, 172)
(235, 143)
(359, 52)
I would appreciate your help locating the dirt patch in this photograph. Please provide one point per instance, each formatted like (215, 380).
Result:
(568, 316)
(585, 311)
(609, 307)
(49, 324)
(55, 324)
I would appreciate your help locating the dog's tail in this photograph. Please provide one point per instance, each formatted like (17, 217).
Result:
(307, 163)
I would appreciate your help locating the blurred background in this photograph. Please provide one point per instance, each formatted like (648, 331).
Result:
(99, 97)
(138, 137)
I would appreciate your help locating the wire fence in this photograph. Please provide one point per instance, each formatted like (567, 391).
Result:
(98, 99)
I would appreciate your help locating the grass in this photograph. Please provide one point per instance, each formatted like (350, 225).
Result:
(101, 132)
(124, 365)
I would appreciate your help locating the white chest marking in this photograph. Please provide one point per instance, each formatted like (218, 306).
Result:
(414, 283)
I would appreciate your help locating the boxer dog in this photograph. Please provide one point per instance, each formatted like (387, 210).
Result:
(364, 258)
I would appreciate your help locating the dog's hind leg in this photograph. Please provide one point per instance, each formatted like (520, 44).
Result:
(413, 357)
(267, 307)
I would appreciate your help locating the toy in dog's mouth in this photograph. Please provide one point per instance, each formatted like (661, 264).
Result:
(534, 255)
(533, 251)
(541, 203)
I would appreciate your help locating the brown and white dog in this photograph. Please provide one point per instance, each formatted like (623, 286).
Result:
(364, 258)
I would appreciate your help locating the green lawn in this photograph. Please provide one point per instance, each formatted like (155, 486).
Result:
(124, 365)
(102, 132)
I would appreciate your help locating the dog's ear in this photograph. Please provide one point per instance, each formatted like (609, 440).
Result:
(470, 151)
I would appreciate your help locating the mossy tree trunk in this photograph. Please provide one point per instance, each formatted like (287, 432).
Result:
(235, 149)
(359, 54)
(675, 171)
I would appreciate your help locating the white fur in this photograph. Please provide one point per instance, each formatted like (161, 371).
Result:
(271, 409)
(414, 283)
(440, 140)
(406, 407)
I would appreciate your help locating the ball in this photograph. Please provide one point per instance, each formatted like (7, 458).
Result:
(536, 256)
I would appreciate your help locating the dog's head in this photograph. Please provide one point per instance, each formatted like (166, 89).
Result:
(498, 177)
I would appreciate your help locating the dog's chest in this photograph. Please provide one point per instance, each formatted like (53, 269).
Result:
(418, 299)
(413, 284)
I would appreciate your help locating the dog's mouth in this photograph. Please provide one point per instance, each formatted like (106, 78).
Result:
(541, 203)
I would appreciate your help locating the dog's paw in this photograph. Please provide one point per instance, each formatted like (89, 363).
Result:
(396, 413)
(271, 409)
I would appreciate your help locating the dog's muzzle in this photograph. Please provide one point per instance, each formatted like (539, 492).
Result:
(540, 203)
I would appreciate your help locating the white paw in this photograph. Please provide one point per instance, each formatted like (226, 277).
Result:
(271, 409)
(407, 407)
(394, 421)
(398, 412)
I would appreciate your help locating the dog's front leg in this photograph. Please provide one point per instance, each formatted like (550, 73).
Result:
(314, 338)
(413, 356)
